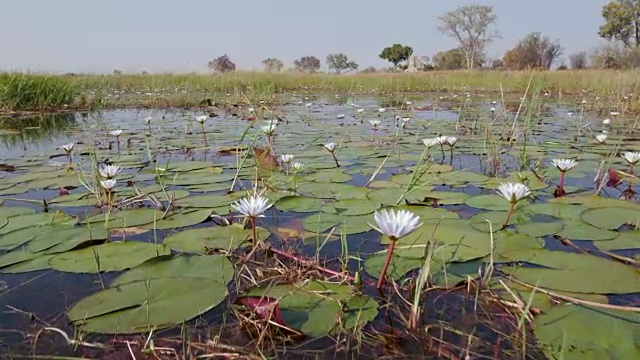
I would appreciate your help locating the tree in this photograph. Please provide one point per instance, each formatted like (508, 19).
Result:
(222, 64)
(497, 64)
(454, 59)
(578, 60)
(622, 22)
(340, 63)
(307, 64)
(534, 51)
(272, 65)
(470, 26)
(396, 54)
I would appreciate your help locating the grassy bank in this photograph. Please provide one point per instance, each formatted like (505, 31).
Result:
(38, 92)
(33, 92)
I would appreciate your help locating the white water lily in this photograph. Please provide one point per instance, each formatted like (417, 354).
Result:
(492, 109)
(430, 142)
(614, 113)
(451, 140)
(340, 116)
(601, 138)
(67, 147)
(331, 147)
(564, 164)
(269, 128)
(201, 119)
(374, 123)
(252, 206)
(395, 225)
(360, 110)
(513, 192)
(297, 167)
(251, 109)
(115, 132)
(308, 105)
(108, 184)
(108, 171)
(147, 120)
(287, 158)
(631, 157)
(408, 102)
(381, 110)
(606, 121)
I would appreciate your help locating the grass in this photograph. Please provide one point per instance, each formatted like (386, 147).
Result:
(19, 91)
(53, 92)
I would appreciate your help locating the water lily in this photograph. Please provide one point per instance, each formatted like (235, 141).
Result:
(450, 140)
(68, 148)
(493, 110)
(108, 171)
(614, 113)
(108, 184)
(513, 193)
(361, 110)
(308, 105)
(563, 165)
(252, 207)
(287, 158)
(331, 148)
(374, 123)
(408, 102)
(632, 158)
(394, 225)
(405, 122)
(601, 138)
(117, 134)
(381, 110)
(431, 142)
(297, 167)
(201, 120)
(606, 122)
(147, 120)
(340, 116)
(251, 110)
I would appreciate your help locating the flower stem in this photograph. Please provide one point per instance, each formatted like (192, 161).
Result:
(204, 135)
(118, 142)
(631, 169)
(335, 159)
(562, 179)
(506, 221)
(383, 274)
(442, 151)
(253, 231)
(451, 154)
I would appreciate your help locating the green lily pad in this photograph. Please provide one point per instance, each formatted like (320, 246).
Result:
(491, 202)
(626, 240)
(113, 256)
(351, 207)
(159, 294)
(317, 307)
(573, 332)
(329, 176)
(38, 219)
(201, 240)
(575, 272)
(611, 217)
(206, 201)
(299, 204)
(579, 230)
(178, 220)
(536, 229)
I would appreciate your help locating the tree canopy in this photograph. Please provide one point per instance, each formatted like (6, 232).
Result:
(396, 54)
(308, 64)
(340, 63)
(622, 22)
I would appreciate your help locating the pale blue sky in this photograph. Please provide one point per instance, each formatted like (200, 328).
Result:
(179, 36)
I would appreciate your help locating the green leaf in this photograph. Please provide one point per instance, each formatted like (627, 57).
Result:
(158, 294)
(299, 204)
(112, 256)
(211, 238)
(573, 332)
(317, 307)
(611, 217)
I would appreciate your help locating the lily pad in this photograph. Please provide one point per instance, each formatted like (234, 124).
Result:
(201, 240)
(299, 204)
(113, 256)
(351, 207)
(158, 294)
(611, 217)
(491, 202)
(316, 307)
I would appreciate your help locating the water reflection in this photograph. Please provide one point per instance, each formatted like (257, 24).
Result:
(37, 131)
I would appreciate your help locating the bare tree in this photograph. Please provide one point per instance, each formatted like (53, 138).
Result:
(222, 64)
(307, 64)
(578, 60)
(470, 26)
(534, 51)
(272, 65)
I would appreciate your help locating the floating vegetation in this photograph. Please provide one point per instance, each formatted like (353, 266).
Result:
(497, 236)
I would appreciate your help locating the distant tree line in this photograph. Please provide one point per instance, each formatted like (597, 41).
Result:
(472, 27)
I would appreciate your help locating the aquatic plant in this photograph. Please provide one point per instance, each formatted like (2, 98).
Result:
(513, 193)
(394, 225)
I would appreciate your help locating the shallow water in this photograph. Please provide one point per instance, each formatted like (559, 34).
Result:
(175, 139)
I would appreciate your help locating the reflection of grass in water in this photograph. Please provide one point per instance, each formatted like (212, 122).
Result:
(38, 129)
(20, 91)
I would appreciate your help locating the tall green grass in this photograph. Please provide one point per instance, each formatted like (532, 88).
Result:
(611, 83)
(19, 91)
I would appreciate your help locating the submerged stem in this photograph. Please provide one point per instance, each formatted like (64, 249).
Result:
(562, 179)
(335, 159)
(383, 274)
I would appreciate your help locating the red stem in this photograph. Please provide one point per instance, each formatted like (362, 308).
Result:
(562, 179)
(310, 263)
(383, 274)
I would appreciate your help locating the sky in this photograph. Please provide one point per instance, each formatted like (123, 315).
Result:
(182, 36)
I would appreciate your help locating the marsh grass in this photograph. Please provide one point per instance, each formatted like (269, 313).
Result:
(19, 91)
